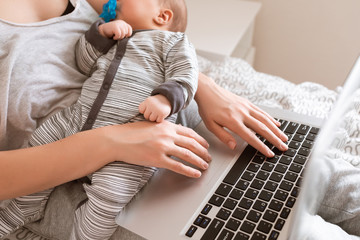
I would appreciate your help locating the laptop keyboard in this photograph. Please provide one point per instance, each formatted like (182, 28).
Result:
(257, 195)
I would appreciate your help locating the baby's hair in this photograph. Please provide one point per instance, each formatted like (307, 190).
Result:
(179, 9)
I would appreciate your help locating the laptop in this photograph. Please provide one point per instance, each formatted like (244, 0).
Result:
(243, 195)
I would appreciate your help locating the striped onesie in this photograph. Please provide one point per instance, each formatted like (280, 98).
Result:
(122, 74)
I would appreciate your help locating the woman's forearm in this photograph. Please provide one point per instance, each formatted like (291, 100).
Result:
(34, 169)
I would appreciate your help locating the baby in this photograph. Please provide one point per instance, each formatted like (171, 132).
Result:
(140, 66)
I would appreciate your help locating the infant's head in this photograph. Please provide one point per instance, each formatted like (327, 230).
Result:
(168, 15)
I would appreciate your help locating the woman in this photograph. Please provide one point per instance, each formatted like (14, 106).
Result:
(19, 167)
(39, 77)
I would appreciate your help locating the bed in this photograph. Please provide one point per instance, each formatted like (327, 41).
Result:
(307, 98)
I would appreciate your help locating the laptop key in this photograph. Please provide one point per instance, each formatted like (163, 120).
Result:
(262, 175)
(265, 195)
(199, 220)
(216, 200)
(248, 175)
(267, 167)
(285, 160)
(241, 236)
(285, 185)
(291, 176)
(242, 184)
(314, 130)
(270, 215)
(311, 137)
(298, 137)
(281, 168)
(191, 231)
(257, 184)
(205, 222)
(271, 186)
(281, 195)
(247, 227)
(279, 224)
(295, 168)
(276, 177)
(223, 190)
(230, 203)
(264, 227)
(233, 224)
(239, 214)
(276, 205)
(238, 168)
(245, 203)
(290, 152)
(307, 144)
(260, 205)
(294, 144)
(223, 214)
(236, 194)
(291, 128)
(303, 129)
(225, 235)
(253, 167)
(283, 125)
(259, 159)
(253, 216)
(290, 202)
(251, 193)
(304, 151)
(300, 160)
(258, 236)
(285, 213)
(295, 192)
(206, 209)
(213, 229)
(274, 235)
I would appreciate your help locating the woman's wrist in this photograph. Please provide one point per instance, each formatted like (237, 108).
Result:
(204, 83)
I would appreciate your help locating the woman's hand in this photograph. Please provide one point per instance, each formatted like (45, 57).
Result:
(222, 109)
(144, 143)
(152, 144)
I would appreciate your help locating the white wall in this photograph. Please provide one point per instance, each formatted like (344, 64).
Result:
(308, 40)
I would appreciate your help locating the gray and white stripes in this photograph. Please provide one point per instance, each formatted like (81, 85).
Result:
(151, 58)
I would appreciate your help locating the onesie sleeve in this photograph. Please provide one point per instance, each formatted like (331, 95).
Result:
(90, 47)
(181, 72)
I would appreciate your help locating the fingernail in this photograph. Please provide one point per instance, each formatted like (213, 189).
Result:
(285, 137)
(271, 153)
(283, 146)
(196, 174)
(205, 166)
(231, 144)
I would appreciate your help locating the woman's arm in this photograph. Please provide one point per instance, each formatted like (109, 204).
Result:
(34, 169)
(222, 109)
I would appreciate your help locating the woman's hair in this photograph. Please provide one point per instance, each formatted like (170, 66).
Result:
(179, 9)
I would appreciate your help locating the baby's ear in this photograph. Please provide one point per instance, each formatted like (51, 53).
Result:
(164, 17)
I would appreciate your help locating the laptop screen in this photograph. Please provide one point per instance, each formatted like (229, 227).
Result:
(320, 167)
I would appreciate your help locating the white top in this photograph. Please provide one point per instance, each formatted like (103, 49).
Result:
(38, 74)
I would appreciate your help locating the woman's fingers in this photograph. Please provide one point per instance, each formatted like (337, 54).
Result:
(188, 132)
(222, 134)
(264, 125)
(250, 137)
(180, 168)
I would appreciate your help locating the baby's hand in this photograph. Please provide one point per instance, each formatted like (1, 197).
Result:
(155, 108)
(117, 29)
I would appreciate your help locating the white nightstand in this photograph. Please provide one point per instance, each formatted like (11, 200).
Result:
(219, 28)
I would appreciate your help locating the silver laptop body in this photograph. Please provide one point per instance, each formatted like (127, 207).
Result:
(169, 206)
